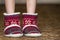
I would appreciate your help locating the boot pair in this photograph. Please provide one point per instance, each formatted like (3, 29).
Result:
(13, 28)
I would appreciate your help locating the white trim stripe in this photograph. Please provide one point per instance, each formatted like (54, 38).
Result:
(29, 25)
(33, 35)
(11, 13)
(30, 13)
(11, 26)
(14, 35)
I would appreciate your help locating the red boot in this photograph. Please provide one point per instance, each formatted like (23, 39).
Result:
(30, 25)
(12, 25)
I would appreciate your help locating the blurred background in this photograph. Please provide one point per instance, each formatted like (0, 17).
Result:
(48, 19)
(38, 1)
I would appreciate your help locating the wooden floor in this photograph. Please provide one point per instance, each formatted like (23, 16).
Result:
(48, 22)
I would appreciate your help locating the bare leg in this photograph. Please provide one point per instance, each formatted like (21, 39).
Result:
(31, 5)
(10, 6)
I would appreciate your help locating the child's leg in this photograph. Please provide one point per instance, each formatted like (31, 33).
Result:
(10, 6)
(12, 20)
(31, 5)
(30, 27)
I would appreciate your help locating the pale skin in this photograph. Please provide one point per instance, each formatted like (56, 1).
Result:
(10, 6)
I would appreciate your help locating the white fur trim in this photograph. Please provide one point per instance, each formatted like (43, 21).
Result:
(30, 13)
(11, 26)
(33, 35)
(29, 25)
(14, 35)
(11, 13)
